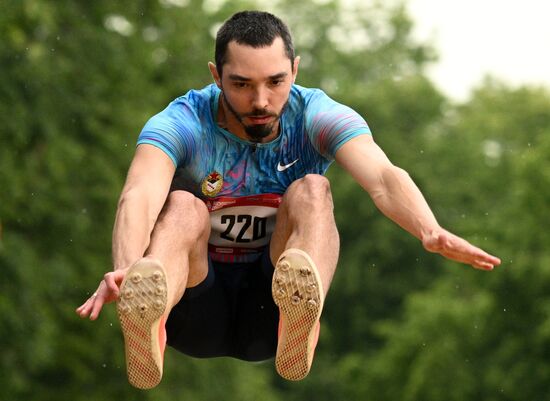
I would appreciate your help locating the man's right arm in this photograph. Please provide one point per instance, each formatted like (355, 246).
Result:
(143, 196)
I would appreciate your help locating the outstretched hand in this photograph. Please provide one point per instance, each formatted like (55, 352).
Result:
(107, 292)
(455, 248)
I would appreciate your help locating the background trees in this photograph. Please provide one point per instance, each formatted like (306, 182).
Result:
(78, 82)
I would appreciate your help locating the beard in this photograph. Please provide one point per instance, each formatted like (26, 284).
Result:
(255, 132)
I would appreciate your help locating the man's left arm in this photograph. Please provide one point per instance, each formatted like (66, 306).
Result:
(397, 197)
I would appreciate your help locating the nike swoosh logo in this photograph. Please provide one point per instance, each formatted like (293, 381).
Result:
(281, 167)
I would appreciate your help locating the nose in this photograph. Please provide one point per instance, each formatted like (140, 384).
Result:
(260, 98)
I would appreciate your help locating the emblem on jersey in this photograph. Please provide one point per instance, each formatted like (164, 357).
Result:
(212, 184)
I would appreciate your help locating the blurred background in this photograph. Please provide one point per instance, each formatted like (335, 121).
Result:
(78, 81)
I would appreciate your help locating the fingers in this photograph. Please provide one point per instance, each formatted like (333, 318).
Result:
(97, 304)
(81, 310)
(486, 261)
(460, 250)
(90, 308)
(112, 281)
(481, 259)
(483, 265)
(108, 291)
(473, 256)
(493, 260)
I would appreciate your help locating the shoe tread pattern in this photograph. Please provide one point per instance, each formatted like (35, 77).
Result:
(298, 292)
(142, 302)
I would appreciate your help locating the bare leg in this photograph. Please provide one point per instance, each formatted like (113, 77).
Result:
(304, 250)
(305, 220)
(180, 242)
(176, 259)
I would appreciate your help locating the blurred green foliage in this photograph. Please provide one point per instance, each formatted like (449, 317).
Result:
(79, 80)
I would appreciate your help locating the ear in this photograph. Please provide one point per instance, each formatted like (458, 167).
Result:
(295, 68)
(215, 75)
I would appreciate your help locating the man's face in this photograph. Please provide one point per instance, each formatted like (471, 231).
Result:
(256, 85)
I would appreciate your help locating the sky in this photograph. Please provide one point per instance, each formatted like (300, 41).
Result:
(508, 39)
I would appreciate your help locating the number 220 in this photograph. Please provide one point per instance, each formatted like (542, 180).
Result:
(258, 227)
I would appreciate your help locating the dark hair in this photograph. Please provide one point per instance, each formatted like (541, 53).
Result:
(252, 28)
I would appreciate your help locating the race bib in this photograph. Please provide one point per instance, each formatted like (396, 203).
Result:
(241, 227)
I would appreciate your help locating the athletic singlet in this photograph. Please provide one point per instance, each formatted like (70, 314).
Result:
(241, 182)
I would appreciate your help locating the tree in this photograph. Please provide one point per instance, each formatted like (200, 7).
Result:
(80, 80)
(470, 336)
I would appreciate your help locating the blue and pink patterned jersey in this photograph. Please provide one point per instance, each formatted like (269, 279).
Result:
(242, 182)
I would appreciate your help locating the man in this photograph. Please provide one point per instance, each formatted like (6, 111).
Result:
(225, 242)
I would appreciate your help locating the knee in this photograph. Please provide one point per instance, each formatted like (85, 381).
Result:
(186, 210)
(312, 190)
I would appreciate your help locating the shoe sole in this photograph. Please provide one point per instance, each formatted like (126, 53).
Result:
(297, 291)
(142, 302)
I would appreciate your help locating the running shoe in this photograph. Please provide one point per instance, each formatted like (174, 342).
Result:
(141, 306)
(298, 292)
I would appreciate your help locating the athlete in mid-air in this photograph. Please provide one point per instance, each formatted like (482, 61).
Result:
(225, 242)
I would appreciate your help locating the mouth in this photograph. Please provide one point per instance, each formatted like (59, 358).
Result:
(260, 120)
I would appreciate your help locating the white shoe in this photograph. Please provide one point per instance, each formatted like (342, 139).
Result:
(141, 306)
(298, 292)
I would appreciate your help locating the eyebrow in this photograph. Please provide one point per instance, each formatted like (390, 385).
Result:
(236, 77)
